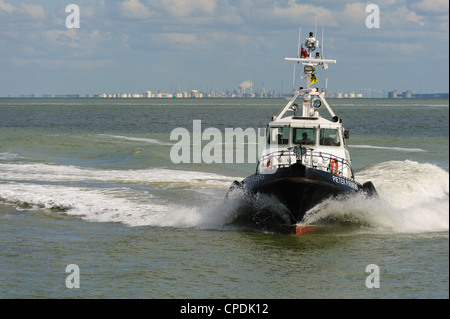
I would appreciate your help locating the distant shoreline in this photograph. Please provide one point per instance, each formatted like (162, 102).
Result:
(421, 96)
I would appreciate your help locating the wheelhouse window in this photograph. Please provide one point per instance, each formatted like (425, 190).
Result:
(304, 136)
(279, 135)
(329, 137)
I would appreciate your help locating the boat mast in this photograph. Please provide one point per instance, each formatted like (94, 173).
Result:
(294, 77)
(309, 62)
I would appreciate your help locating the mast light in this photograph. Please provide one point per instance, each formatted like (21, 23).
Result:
(309, 68)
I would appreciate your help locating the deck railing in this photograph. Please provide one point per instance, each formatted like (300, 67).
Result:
(307, 156)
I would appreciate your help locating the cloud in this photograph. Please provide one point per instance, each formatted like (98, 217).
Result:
(134, 9)
(431, 6)
(229, 15)
(55, 64)
(24, 13)
(410, 51)
(401, 18)
(180, 40)
(241, 38)
(33, 11)
(353, 14)
(302, 14)
(6, 7)
(414, 17)
(188, 8)
(62, 38)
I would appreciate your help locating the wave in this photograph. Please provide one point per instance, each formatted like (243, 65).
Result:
(402, 149)
(137, 139)
(116, 205)
(90, 204)
(413, 198)
(112, 195)
(7, 156)
(151, 176)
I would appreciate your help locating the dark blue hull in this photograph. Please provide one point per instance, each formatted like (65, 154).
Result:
(300, 188)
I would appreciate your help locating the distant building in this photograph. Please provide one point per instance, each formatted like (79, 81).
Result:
(430, 95)
(196, 94)
(392, 94)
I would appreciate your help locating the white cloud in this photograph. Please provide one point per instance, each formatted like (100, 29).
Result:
(62, 38)
(186, 8)
(297, 14)
(442, 24)
(34, 11)
(407, 50)
(180, 40)
(89, 12)
(248, 35)
(401, 17)
(142, 9)
(229, 15)
(134, 9)
(431, 6)
(6, 7)
(51, 64)
(353, 13)
(413, 17)
(23, 13)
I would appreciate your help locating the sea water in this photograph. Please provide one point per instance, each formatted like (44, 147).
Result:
(90, 182)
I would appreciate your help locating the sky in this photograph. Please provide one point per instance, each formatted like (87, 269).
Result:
(132, 46)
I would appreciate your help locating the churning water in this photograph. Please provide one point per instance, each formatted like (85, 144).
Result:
(91, 182)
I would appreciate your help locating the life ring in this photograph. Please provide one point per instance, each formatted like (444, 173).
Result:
(269, 162)
(334, 166)
(269, 165)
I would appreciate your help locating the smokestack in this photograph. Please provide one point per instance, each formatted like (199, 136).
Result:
(245, 85)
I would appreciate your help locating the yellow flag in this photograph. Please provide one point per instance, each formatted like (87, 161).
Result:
(313, 78)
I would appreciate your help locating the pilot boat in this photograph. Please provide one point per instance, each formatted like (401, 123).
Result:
(305, 159)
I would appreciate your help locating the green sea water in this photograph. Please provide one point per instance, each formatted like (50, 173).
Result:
(90, 182)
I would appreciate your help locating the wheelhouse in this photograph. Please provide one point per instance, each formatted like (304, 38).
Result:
(316, 143)
(310, 136)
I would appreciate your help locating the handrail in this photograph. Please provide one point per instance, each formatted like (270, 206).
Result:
(305, 156)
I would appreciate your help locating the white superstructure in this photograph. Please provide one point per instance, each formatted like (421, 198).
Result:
(299, 133)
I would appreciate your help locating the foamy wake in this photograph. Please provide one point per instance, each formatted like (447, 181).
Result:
(163, 177)
(9, 156)
(413, 197)
(401, 149)
(111, 206)
(132, 197)
(137, 139)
